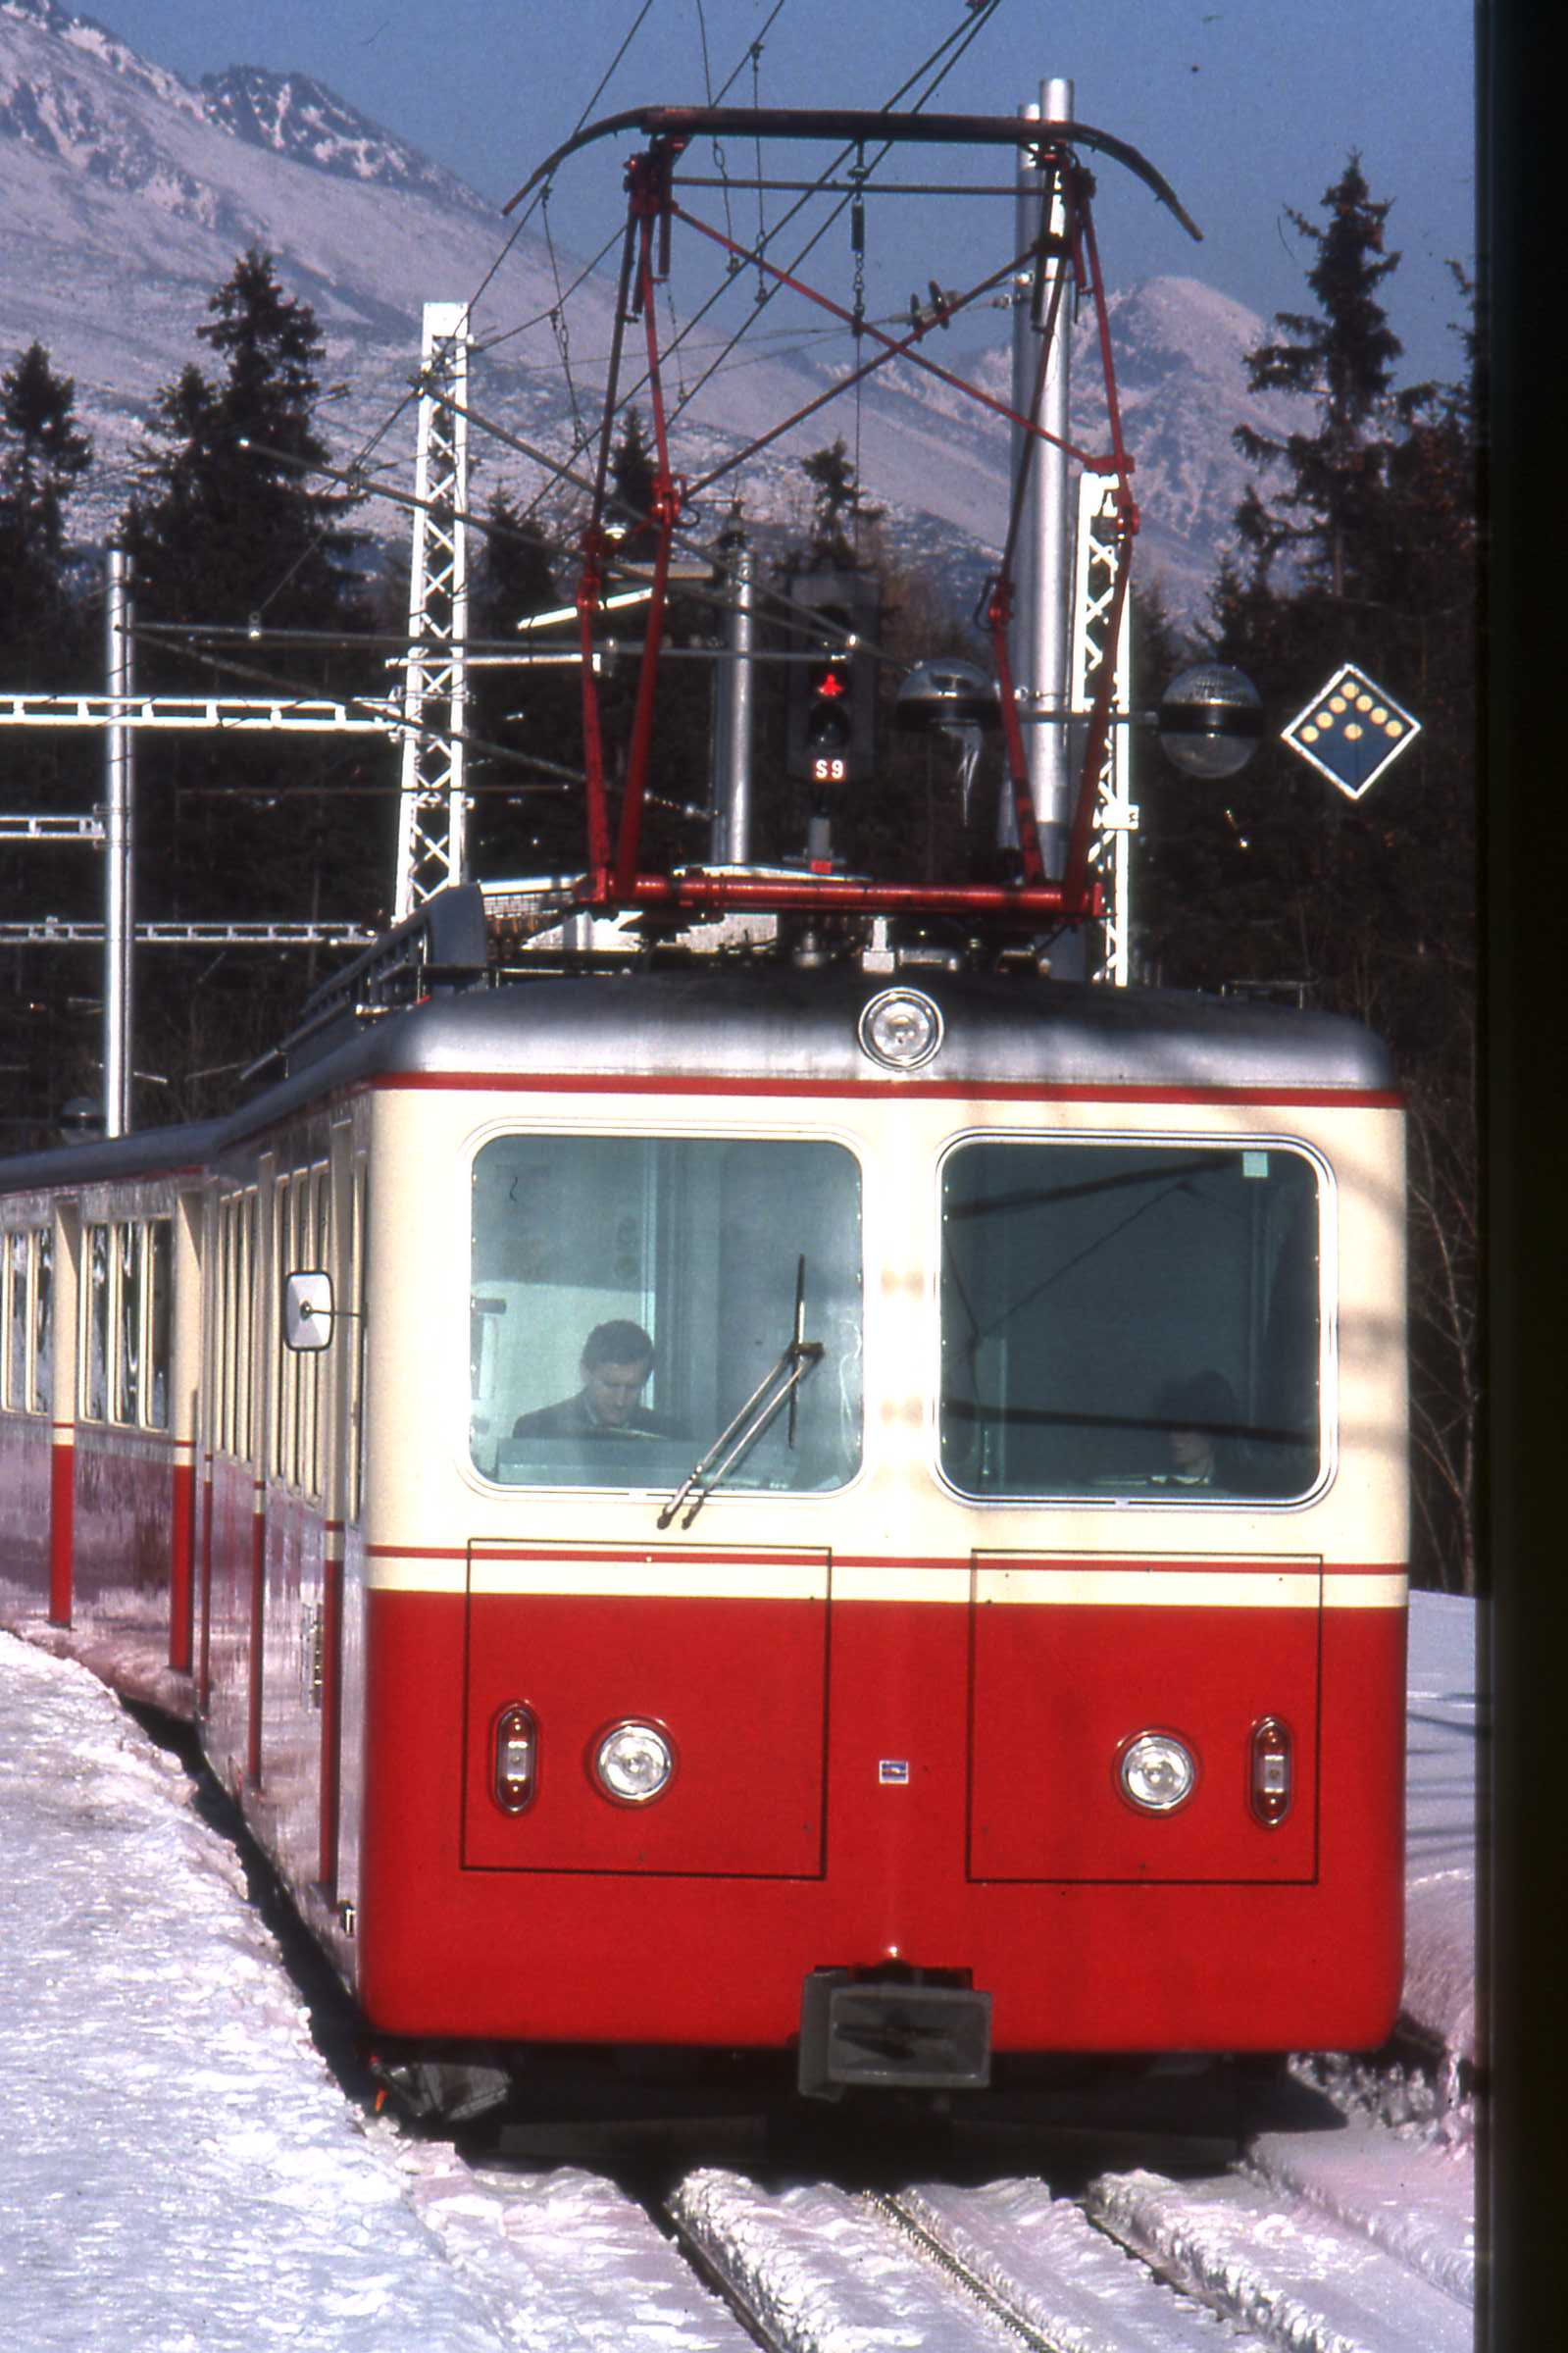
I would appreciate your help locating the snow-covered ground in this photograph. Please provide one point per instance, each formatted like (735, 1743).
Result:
(1444, 1722)
(179, 2173)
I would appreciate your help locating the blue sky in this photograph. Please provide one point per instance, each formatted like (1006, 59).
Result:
(1248, 107)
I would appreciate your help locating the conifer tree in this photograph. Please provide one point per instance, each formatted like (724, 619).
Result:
(838, 507)
(1342, 359)
(228, 526)
(227, 520)
(44, 456)
(1359, 545)
(630, 502)
(45, 629)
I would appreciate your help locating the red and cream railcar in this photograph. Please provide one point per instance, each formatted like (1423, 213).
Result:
(1022, 1672)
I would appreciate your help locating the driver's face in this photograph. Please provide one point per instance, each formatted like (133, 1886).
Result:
(612, 1390)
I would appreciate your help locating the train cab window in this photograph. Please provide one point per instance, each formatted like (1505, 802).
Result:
(1131, 1321)
(717, 1255)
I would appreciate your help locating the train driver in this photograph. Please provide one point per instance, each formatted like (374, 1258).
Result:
(616, 1360)
(1198, 1415)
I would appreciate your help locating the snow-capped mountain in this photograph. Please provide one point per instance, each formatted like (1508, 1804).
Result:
(293, 116)
(128, 193)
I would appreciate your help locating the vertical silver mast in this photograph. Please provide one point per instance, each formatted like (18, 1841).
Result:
(119, 919)
(730, 839)
(1038, 638)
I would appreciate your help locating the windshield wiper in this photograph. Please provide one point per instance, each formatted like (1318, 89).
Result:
(762, 1408)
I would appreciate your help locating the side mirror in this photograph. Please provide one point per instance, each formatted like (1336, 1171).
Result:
(308, 1310)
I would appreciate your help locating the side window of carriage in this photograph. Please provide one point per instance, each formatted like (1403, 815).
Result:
(14, 1281)
(158, 1281)
(358, 1210)
(129, 1250)
(40, 1396)
(1132, 1319)
(236, 1229)
(97, 1272)
(314, 1249)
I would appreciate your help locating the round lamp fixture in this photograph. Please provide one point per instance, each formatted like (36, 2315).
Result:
(946, 691)
(1158, 1773)
(902, 1028)
(633, 1763)
(1210, 720)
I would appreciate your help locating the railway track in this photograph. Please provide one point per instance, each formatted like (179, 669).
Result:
(1268, 2255)
(1177, 2212)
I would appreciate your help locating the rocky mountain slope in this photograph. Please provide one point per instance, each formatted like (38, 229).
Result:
(129, 192)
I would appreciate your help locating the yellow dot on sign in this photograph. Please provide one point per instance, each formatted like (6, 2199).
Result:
(1337, 702)
(1380, 716)
(1353, 734)
(1309, 735)
(1395, 727)
(1324, 718)
(1363, 702)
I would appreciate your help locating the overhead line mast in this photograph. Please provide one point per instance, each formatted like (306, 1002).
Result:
(433, 814)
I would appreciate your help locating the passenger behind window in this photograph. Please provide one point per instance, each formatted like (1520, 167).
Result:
(1201, 1424)
(616, 1365)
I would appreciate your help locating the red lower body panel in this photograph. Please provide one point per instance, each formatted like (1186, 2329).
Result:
(865, 1782)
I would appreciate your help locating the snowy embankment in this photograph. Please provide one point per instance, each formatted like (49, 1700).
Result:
(1444, 1724)
(179, 2173)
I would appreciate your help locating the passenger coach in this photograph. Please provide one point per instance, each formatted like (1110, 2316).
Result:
(986, 1635)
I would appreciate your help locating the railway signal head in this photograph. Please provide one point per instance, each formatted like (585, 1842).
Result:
(832, 726)
(827, 728)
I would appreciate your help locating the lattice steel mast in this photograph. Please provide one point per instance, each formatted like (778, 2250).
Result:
(433, 810)
(1102, 633)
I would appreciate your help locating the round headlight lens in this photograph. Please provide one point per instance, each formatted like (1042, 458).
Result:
(1157, 1773)
(902, 1028)
(633, 1763)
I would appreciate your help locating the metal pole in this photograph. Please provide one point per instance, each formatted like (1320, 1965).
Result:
(432, 849)
(730, 838)
(120, 844)
(1039, 638)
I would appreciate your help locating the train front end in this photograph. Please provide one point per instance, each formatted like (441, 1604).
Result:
(979, 1626)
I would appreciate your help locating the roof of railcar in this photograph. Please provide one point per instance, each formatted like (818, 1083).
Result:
(778, 1025)
(802, 1025)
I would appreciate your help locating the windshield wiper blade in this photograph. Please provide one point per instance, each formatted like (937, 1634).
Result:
(767, 1400)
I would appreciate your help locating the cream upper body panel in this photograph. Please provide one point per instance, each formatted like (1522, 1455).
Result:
(897, 1527)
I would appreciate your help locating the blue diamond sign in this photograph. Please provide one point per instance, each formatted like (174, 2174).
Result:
(1351, 731)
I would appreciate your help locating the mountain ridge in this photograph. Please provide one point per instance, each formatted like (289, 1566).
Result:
(130, 192)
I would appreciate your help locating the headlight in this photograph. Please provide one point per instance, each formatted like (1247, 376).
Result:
(1156, 1773)
(902, 1029)
(633, 1763)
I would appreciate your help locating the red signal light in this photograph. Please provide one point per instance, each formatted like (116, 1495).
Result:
(832, 682)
